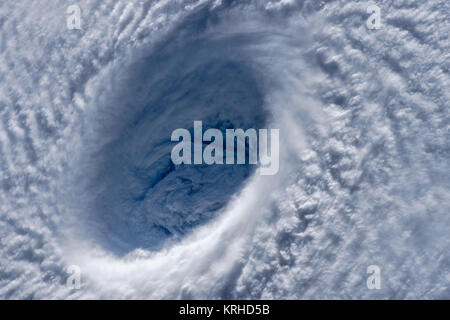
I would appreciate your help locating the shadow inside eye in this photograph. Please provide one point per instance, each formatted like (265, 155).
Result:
(140, 198)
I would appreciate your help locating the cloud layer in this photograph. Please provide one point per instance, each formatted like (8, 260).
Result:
(364, 124)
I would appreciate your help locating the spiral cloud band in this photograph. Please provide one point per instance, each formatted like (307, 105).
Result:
(90, 95)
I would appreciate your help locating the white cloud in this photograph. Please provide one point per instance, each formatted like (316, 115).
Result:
(364, 174)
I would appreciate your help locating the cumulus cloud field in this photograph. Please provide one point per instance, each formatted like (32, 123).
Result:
(86, 178)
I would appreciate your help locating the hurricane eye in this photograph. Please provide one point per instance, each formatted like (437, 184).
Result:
(140, 198)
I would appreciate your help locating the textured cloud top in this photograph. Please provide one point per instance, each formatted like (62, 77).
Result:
(85, 172)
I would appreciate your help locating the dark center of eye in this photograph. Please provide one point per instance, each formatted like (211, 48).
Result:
(142, 199)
